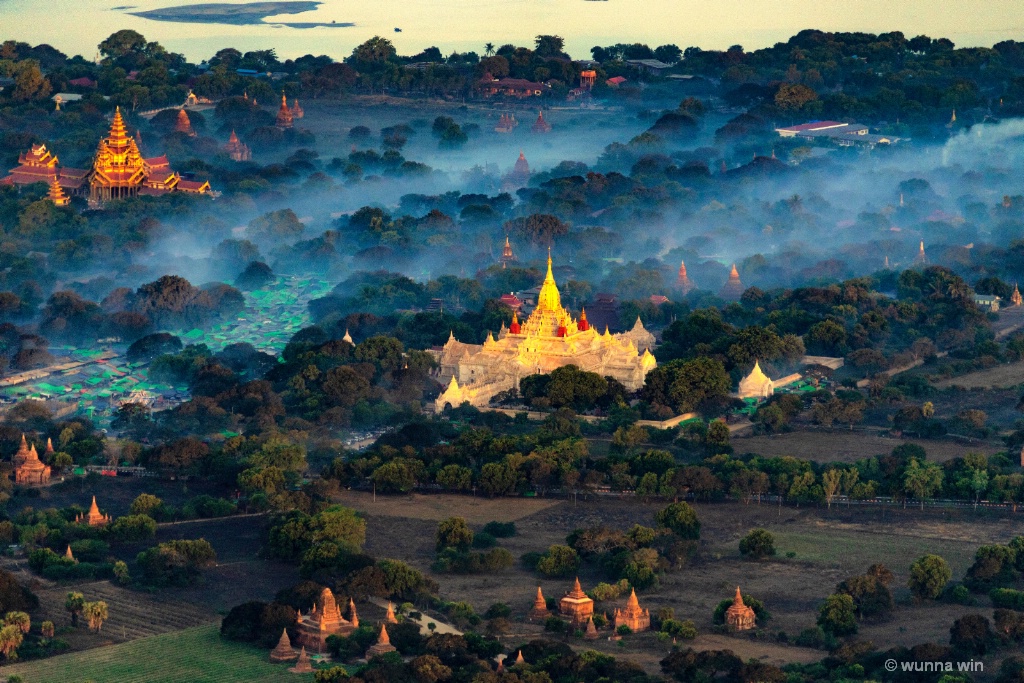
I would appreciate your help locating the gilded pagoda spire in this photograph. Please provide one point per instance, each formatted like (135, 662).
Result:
(56, 194)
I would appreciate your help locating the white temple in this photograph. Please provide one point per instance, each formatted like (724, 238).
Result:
(756, 384)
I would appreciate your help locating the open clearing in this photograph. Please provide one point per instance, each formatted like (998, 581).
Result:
(195, 655)
(845, 446)
(829, 547)
(476, 510)
(999, 377)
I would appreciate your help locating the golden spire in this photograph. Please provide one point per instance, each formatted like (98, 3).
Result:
(118, 131)
(56, 194)
(383, 639)
(549, 299)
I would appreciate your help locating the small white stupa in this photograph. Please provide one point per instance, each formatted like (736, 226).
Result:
(756, 384)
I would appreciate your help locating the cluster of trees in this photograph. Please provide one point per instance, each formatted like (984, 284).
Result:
(454, 541)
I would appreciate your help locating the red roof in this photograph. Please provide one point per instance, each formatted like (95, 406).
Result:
(617, 80)
(83, 82)
(193, 185)
(658, 299)
(511, 300)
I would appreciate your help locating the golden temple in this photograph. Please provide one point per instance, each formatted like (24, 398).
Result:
(549, 338)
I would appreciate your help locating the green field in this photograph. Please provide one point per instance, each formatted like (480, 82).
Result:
(195, 655)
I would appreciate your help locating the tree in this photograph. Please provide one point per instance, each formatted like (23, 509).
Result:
(455, 477)
(560, 561)
(11, 638)
(96, 612)
(793, 97)
(549, 46)
(146, 504)
(972, 634)
(929, 575)
(19, 619)
(837, 615)
(830, 485)
(681, 519)
(453, 533)
(334, 674)
(429, 669)
(393, 477)
(758, 544)
(74, 603)
(29, 83)
(922, 481)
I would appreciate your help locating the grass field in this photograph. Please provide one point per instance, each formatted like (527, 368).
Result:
(195, 655)
(845, 446)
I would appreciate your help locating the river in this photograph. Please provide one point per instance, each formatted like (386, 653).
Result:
(77, 26)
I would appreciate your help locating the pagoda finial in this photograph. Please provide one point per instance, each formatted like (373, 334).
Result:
(383, 638)
(738, 600)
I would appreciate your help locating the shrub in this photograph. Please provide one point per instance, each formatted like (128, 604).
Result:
(500, 529)
(758, 544)
(1006, 598)
(483, 540)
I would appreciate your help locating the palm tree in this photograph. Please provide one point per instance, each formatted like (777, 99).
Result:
(97, 613)
(10, 639)
(488, 49)
(74, 604)
(19, 619)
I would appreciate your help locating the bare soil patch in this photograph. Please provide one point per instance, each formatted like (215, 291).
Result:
(475, 509)
(847, 446)
(999, 377)
(829, 545)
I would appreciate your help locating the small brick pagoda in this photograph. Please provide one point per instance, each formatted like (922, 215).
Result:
(302, 666)
(94, 517)
(322, 621)
(283, 651)
(577, 606)
(540, 607)
(633, 616)
(382, 646)
(739, 617)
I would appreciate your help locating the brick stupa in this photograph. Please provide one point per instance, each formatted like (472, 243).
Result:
(633, 616)
(94, 516)
(283, 651)
(576, 605)
(683, 282)
(29, 469)
(540, 607)
(322, 621)
(302, 666)
(733, 289)
(382, 646)
(739, 617)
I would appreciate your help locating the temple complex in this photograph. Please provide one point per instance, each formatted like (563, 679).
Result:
(93, 517)
(1015, 298)
(683, 283)
(540, 607)
(120, 171)
(28, 468)
(756, 384)
(577, 606)
(733, 289)
(549, 338)
(739, 617)
(540, 125)
(283, 651)
(284, 114)
(506, 123)
(322, 621)
(382, 646)
(39, 165)
(236, 149)
(183, 124)
(632, 615)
